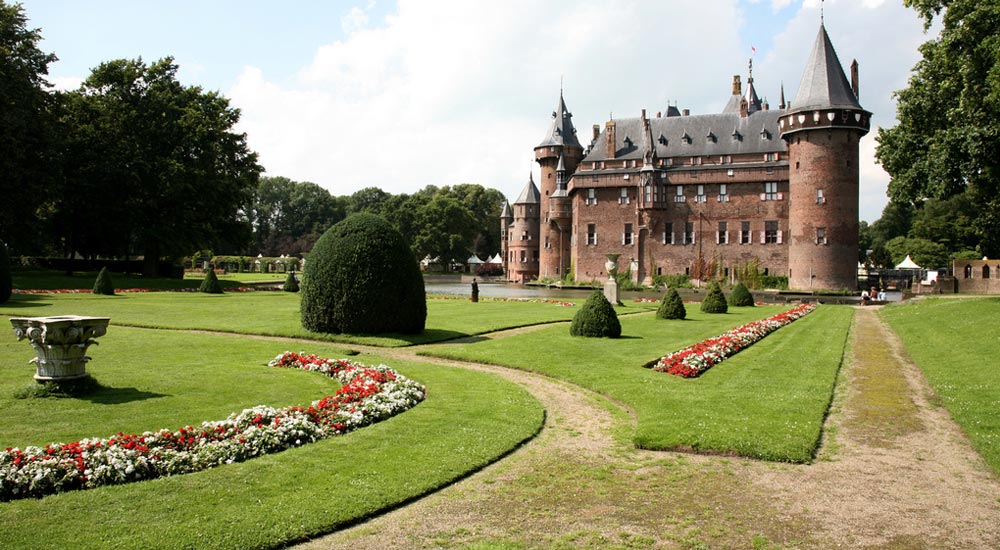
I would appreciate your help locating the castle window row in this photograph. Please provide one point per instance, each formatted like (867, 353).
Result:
(770, 235)
(653, 193)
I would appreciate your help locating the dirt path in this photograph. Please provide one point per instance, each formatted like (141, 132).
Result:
(895, 472)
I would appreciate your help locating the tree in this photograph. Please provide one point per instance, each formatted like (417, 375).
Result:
(445, 229)
(715, 300)
(180, 176)
(597, 318)
(948, 136)
(288, 216)
(210, 284)
(103, 284)
(26, 137)
(6, 284)
(672, 306)
(925, 253)
(369, 199)
(361, 277)
(740, 296)
(948, 222)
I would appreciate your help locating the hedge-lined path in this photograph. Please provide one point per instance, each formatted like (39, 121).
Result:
(896, 473)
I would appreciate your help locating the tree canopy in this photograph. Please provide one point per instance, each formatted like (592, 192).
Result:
(948, 137)
(290, 216)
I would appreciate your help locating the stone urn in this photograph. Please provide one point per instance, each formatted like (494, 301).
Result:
(612, 265)
(61, 343)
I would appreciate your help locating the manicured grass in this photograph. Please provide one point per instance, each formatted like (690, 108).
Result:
(277, 314)
(768, 401)
(84, 280)
(468, 420)
(245, 278)
(955, 342)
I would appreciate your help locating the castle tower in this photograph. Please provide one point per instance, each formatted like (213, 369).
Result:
(822, 128)
(506, 219)
(558, 154)
(522, 236)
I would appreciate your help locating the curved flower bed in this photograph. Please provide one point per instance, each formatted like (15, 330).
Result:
(134, 290)
(694, 360)
(367, 395)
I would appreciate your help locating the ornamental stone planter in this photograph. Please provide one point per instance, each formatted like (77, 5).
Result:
(61, 343)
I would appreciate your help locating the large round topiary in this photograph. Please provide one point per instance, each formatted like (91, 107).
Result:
(210, 284)
(671, 307)
(103, 284)
(6, 283)
(597, 318)
(740, 296)
(362, 278)
(715, 300)
(291, 283)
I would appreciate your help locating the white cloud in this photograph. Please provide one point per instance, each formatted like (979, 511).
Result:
(354, 20)
(444, 92)
(65, 83)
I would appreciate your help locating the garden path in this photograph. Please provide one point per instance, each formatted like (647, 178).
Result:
(894, 472)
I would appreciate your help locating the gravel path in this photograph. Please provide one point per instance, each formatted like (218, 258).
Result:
(909, 480)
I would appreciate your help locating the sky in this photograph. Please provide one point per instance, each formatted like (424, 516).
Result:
(408, 93)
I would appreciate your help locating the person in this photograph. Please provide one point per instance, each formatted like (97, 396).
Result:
(475, 290)
(881, 294)
(865, 297)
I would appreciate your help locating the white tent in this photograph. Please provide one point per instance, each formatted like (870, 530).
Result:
(495, 259)
(474, 260)
(908, 263)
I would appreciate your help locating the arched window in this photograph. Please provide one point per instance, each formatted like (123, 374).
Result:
(986, 271)
(968, 271)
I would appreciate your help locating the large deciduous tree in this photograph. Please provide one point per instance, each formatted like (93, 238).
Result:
(25, 126)
(948, 137)
(290, 216)
(179, 176)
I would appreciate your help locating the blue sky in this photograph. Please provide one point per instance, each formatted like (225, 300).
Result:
(401, 94)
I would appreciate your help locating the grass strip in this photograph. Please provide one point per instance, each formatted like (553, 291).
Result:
(955, 343)
(767, 402)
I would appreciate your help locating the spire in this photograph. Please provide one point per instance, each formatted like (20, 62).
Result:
(506, 214)
(753, 102)
(561, 131)
(560, 191)
(782, 104)
(530, 194)
(824, 84)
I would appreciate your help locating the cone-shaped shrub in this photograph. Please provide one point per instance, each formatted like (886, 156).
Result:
(5, 278)
(103, 284)
(596, 318)
(740, 296)
(715, 300)
(362, 278)
(291, 284)
(671, 307)
(211, 283)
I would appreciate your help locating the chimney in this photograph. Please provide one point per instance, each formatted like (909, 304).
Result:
(766, 106)
(644, 114)
(597, 132)
(737, 87)
(854, 78)
(685, 112)
(609, 131)
(659, 114)
(744, 108)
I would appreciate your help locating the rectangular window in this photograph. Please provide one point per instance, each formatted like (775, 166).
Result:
(723, 193)
(770, 157)
(820, 235)
(668, 233)
(524, 256)
(591, 196)
(700, 196)
(623, 198)
(627, 236)
(722, 237)
(591, 234)
(745, 233)
(547, 244)
(688, 232)
(770, 191)
(649, 193)
(679, 197)
(820, 199)
(771, 232)
(534, 256)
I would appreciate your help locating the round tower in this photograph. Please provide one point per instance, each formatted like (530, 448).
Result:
(822, 128)
(558, 155)
(522, 236)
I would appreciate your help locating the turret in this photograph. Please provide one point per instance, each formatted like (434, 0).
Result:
(558, 154)
(822, 128)
(522, 235)
(506, 219)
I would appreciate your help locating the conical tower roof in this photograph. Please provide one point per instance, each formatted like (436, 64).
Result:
(824, 84)
(561, 131)
(530, 194)
(506, 214)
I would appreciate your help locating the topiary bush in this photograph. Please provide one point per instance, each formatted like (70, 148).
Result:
(103, 284)
(740, 296)
(597, 318)
(211, 283)
(671, 307)
(715, 300)
(291, 283)
(362, 278)
(6, 283)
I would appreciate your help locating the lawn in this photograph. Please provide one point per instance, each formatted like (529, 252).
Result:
(768, 401)
(277, 314)
(956, 343)
(165, 379)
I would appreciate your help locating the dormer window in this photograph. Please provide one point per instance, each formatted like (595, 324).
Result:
(737, 136)
(662, 139)
(628, 142)
(686, 138)
(764, 134)
(710, 137)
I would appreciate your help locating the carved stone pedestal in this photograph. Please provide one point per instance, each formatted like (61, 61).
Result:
(60, 343)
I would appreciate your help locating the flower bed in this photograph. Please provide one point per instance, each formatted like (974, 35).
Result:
(133, 290)
(694, 360)
(367, 395)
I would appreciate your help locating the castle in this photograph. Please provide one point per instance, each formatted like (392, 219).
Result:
(703, 195)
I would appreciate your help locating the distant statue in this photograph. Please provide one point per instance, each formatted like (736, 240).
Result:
(475, 290)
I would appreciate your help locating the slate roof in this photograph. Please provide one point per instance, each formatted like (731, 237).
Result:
(530, 194)
(506, 214)
(695, 135)
(561, 131)
(824, 84)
